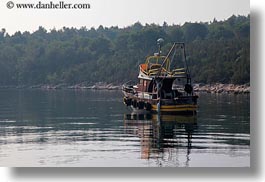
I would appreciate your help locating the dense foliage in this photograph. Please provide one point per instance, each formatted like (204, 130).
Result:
(218, 51)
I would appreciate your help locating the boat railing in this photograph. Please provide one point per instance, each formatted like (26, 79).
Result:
(153, 72)
(178, 71)
(146, 95)
(128, 87)
(156, 68)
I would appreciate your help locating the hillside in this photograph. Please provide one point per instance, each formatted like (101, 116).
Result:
(217, 51)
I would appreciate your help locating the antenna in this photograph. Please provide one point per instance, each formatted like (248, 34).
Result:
(159, 43)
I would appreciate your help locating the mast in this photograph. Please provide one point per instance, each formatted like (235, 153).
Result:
(160, 41)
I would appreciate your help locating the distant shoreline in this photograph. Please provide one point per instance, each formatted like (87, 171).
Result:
(81, 86)
(198, 87)
(222, 88)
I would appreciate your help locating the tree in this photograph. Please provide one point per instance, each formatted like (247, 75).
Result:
(194, 30)
(216, 52)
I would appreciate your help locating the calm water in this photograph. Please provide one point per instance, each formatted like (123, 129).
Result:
(94, 128)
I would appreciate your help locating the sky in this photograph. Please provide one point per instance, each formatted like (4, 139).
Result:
(120, 13)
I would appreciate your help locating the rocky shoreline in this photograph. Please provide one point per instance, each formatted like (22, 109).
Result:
(198, 87)
(96, 86)
(222, 88)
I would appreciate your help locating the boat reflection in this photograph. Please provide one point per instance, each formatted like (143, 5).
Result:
(161, 135)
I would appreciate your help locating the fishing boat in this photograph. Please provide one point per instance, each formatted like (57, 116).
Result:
(164, 83)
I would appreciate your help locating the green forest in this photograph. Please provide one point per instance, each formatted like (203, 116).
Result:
(217, 52)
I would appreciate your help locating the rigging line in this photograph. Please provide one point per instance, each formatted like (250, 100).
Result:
(175, 51)
(166, 59)
(185, 60)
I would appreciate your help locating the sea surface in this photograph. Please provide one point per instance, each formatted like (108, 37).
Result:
(93, 128)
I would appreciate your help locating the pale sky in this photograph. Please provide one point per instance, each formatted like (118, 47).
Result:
(118, 13)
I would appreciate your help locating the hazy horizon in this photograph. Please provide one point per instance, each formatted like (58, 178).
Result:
(60, 28)
(119, 13)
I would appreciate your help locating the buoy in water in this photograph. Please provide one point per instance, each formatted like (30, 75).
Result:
(148, 106)
(134, 103)
(140, 105)
(127, 101)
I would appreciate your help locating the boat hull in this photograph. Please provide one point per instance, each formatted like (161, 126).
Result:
(186, 105)
(181, 109)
